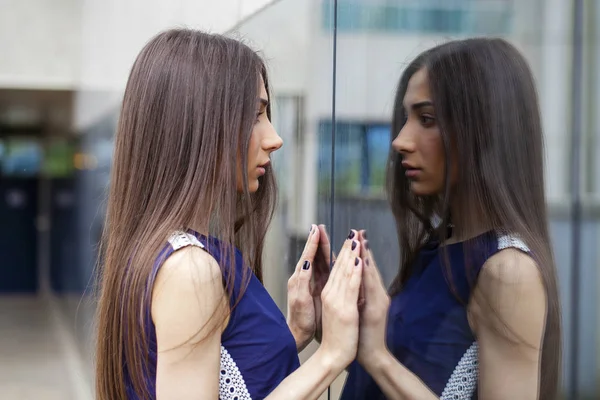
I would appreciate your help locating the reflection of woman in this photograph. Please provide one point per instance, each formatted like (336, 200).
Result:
(183, 313)
(474, 309)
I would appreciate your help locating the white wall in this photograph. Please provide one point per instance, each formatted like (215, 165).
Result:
(554, 84)
(281, 34)
(368, 69)
(114, 31)
(39, 43)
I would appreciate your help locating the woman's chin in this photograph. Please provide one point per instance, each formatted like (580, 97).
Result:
(422, 189)
(253, 185)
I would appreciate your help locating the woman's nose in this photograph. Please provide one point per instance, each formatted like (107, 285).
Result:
(403, 143)
(272, 141)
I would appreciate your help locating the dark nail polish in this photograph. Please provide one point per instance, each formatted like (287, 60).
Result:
(356, 261)
(366, 245)
(351, 235)
(364, 235)
(367, 261)
(306, 265)
(353, 245)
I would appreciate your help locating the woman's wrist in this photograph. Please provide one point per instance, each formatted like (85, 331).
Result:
(329, 362)
(377, 361)
(302, 339)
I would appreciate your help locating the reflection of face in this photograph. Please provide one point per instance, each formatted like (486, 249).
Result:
(419, 141)
(263, 141)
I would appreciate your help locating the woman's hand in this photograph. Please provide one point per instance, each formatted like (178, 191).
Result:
(339, 301)
(340, 327)
(374, 310)
(301, 314)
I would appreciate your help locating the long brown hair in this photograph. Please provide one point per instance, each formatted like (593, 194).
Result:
(187, 115)
(488, 114)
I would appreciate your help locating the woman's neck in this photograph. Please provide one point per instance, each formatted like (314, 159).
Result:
(466, 224)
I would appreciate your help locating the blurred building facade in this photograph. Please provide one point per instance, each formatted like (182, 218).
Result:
(64, 68)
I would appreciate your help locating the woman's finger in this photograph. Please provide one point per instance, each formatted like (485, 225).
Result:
(310, 249)
(362, 237)
(346, 253)
(325, 245)
(354, 282)
(372, 277)
(347, 261)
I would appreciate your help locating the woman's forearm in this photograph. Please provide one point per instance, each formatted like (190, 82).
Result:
(310, 380)
(395, 380)
(301, 339)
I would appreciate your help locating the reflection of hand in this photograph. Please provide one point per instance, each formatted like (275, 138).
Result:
(374, 311)
(339, 299)
(322, 265)
(301, 317)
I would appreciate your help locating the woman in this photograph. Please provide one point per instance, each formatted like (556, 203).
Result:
(183, 313)
(474, 309)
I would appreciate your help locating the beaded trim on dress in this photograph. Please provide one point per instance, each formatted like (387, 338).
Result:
(181, 239)
(463, 381)
(231, 382)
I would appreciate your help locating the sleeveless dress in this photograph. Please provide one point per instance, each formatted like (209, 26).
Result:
(428, 330)
(258, 350)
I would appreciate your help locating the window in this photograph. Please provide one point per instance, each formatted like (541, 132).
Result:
(423, 16)
(21, 157)
(378, 148)
(58, 162)
(361, 151)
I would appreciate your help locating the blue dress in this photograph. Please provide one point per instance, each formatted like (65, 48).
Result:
(258, 350)
(428, 329)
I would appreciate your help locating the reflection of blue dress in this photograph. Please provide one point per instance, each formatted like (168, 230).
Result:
(258, 350)
(428, 329)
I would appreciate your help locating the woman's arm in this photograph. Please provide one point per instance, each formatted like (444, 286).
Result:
(395, 380)
(188, 306)
(508, 313)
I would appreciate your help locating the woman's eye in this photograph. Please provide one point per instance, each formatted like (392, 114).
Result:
(427, 120)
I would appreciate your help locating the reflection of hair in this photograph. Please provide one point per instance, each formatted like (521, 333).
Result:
(187, 117)
(487, 111)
